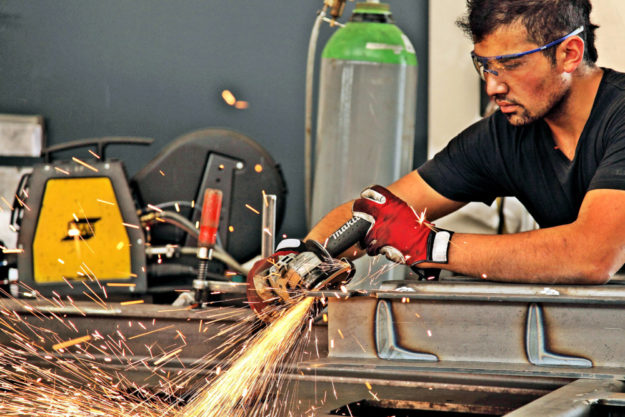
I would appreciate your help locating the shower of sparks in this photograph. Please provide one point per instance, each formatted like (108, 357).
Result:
(239, 391)
(80, 373)
(44, 374)
(64, 379)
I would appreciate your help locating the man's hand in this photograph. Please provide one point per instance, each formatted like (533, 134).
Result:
(397, 231)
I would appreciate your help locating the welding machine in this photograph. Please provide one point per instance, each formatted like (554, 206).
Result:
(78, 223)
(83, 223)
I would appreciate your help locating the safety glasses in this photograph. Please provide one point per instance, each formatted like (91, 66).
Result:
(496, 64)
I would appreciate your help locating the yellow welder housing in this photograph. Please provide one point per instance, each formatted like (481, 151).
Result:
(80, 233)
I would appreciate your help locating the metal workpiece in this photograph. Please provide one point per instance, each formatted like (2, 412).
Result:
(478, 290)
(576, 399)
(379, 390)
(469, 289)
(227, 287)
(566, 331)
(471, 346)
(459, 346)
(410, 397)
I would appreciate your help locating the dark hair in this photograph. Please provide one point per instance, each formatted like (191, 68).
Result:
(545, 21)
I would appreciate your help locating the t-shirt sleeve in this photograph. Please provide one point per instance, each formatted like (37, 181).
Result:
(610, 173)
(466, 168)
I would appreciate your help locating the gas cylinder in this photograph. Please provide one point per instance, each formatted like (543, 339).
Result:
(366, 108)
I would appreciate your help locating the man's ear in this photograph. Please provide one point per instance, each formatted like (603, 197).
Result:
(571, 53)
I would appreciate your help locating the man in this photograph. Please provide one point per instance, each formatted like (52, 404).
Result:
(557, 143)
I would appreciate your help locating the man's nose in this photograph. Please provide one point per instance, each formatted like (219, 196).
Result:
(495, 85)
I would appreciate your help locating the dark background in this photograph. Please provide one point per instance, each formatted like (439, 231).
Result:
(156, 68)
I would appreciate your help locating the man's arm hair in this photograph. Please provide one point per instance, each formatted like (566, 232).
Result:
(587, 251)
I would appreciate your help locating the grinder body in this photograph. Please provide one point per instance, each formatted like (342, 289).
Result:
(287, 278)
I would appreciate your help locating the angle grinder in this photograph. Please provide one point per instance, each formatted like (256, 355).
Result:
(284, 278)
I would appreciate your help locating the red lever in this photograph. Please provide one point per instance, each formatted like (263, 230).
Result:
(209, 222)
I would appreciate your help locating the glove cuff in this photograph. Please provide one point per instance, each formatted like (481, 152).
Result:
(438, 246)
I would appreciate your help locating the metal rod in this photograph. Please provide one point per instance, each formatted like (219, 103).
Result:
(269, 225)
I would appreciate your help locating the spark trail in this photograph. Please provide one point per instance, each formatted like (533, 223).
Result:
(240, 391)
(66, 379)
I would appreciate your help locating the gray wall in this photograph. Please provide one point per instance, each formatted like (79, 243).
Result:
(156, 68)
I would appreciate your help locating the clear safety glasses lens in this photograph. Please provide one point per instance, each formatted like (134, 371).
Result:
(486, 64)
(481, 66)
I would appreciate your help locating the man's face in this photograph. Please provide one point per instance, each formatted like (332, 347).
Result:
(526, 88)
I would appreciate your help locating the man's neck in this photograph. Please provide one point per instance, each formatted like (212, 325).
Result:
(567, 123)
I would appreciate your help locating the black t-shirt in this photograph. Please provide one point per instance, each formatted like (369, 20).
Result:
(492, 158)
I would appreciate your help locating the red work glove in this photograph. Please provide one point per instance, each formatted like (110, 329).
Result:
(397, 231)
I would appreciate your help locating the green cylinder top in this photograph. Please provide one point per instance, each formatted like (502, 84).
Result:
(378, 8)
(370, 41)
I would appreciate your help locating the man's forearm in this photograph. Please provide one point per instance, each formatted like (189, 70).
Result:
(540, 256)
(330, 224)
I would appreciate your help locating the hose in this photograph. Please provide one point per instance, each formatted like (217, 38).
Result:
(310, 76)
(166, 204)
(172, 218)
(186, 225)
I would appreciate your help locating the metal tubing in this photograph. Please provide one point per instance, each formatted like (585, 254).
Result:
(269, 225)
(473, 290)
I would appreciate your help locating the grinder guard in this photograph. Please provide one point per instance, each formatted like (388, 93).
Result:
(283, 280)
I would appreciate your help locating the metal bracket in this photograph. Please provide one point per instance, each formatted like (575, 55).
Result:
(386, 342)
(535, 343)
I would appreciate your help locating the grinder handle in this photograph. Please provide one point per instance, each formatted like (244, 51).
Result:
(353, 231)
(209, 221)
